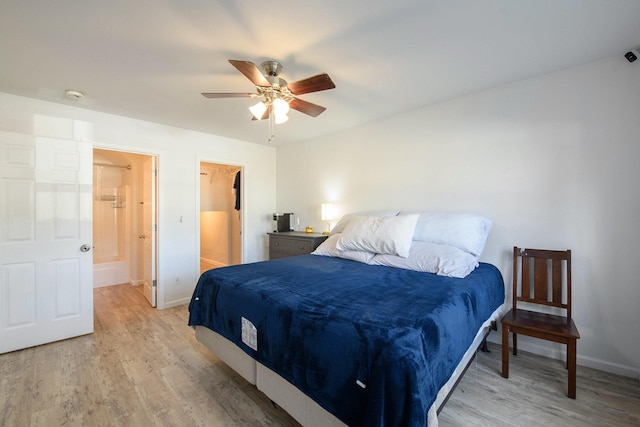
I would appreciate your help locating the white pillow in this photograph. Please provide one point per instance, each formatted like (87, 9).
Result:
(391, 235)
(340, 225)
(442, 260)
(328, 248)
(464, 231)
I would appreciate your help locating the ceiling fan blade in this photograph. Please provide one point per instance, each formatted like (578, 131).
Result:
(228, 95)
(306, 107)
(312, 84)
(251, 71)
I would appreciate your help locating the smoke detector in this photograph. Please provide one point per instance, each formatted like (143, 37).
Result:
(73, 94)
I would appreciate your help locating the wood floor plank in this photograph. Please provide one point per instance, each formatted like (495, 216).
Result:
(143, 367)
(535, 394)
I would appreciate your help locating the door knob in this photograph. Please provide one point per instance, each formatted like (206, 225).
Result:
(85, 248)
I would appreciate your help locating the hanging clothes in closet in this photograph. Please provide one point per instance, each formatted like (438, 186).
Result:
(236, 186)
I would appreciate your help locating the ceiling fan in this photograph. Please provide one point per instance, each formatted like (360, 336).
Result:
(277, 96)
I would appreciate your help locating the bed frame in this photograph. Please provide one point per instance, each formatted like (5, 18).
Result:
(301, 407)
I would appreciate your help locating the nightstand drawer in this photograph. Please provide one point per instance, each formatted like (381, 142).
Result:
(291, 246)
(286, 244)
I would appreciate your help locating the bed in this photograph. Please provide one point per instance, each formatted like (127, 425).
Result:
(348, 340)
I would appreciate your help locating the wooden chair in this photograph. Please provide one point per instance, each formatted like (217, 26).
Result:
(543, 274)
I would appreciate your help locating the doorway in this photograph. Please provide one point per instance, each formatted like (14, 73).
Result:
(220, 215)
(124, 220)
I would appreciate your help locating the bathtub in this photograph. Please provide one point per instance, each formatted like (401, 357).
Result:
(107, 272)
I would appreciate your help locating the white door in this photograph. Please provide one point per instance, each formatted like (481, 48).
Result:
(46, 276)
(149, 229)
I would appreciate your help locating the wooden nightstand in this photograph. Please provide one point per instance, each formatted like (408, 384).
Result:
(292, 243)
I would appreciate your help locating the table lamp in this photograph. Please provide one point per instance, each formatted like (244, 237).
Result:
(328, 214)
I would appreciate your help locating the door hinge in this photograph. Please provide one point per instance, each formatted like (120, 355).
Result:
(154, 283)
(154, 172)
(154, 227)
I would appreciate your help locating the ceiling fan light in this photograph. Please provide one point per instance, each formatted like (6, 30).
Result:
(258, 110)
(280, 118)
(280, 107)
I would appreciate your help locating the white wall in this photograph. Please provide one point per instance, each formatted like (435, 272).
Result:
(180, 152)
(553, 161)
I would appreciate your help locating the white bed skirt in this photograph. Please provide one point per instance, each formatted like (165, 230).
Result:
(300, 406)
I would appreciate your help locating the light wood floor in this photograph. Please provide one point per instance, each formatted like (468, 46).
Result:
(143, 367)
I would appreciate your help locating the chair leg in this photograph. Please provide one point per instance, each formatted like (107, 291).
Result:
(571, 362)
(505, 351)
(515, 343)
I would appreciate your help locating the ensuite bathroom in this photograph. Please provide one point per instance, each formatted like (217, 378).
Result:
(118, 217)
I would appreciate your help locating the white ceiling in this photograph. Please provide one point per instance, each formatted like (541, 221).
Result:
(151, 59)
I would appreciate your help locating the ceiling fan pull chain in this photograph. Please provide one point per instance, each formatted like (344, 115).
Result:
(271, 125)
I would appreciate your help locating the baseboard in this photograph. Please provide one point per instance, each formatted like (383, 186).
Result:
(557, 351)
(136, 282)
(614, 368)
(176, 303)
(211, 263)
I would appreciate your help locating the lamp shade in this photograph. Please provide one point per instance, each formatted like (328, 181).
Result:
(258, 110)
(328, 212)
(279, 119)
(280, 110)
(280, 106)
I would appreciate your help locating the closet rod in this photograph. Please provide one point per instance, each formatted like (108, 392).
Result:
(112, 166)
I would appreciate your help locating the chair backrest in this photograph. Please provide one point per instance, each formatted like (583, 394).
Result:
(544, 277)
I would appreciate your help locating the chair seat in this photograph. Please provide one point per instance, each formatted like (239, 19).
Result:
(542, 323)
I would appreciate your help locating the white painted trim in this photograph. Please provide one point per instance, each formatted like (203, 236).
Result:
(212, 263)
(176, 303)
(558, 352)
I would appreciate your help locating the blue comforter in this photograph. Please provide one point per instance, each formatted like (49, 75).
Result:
(370, 344)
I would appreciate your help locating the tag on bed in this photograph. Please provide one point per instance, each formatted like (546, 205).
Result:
(249, 334)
